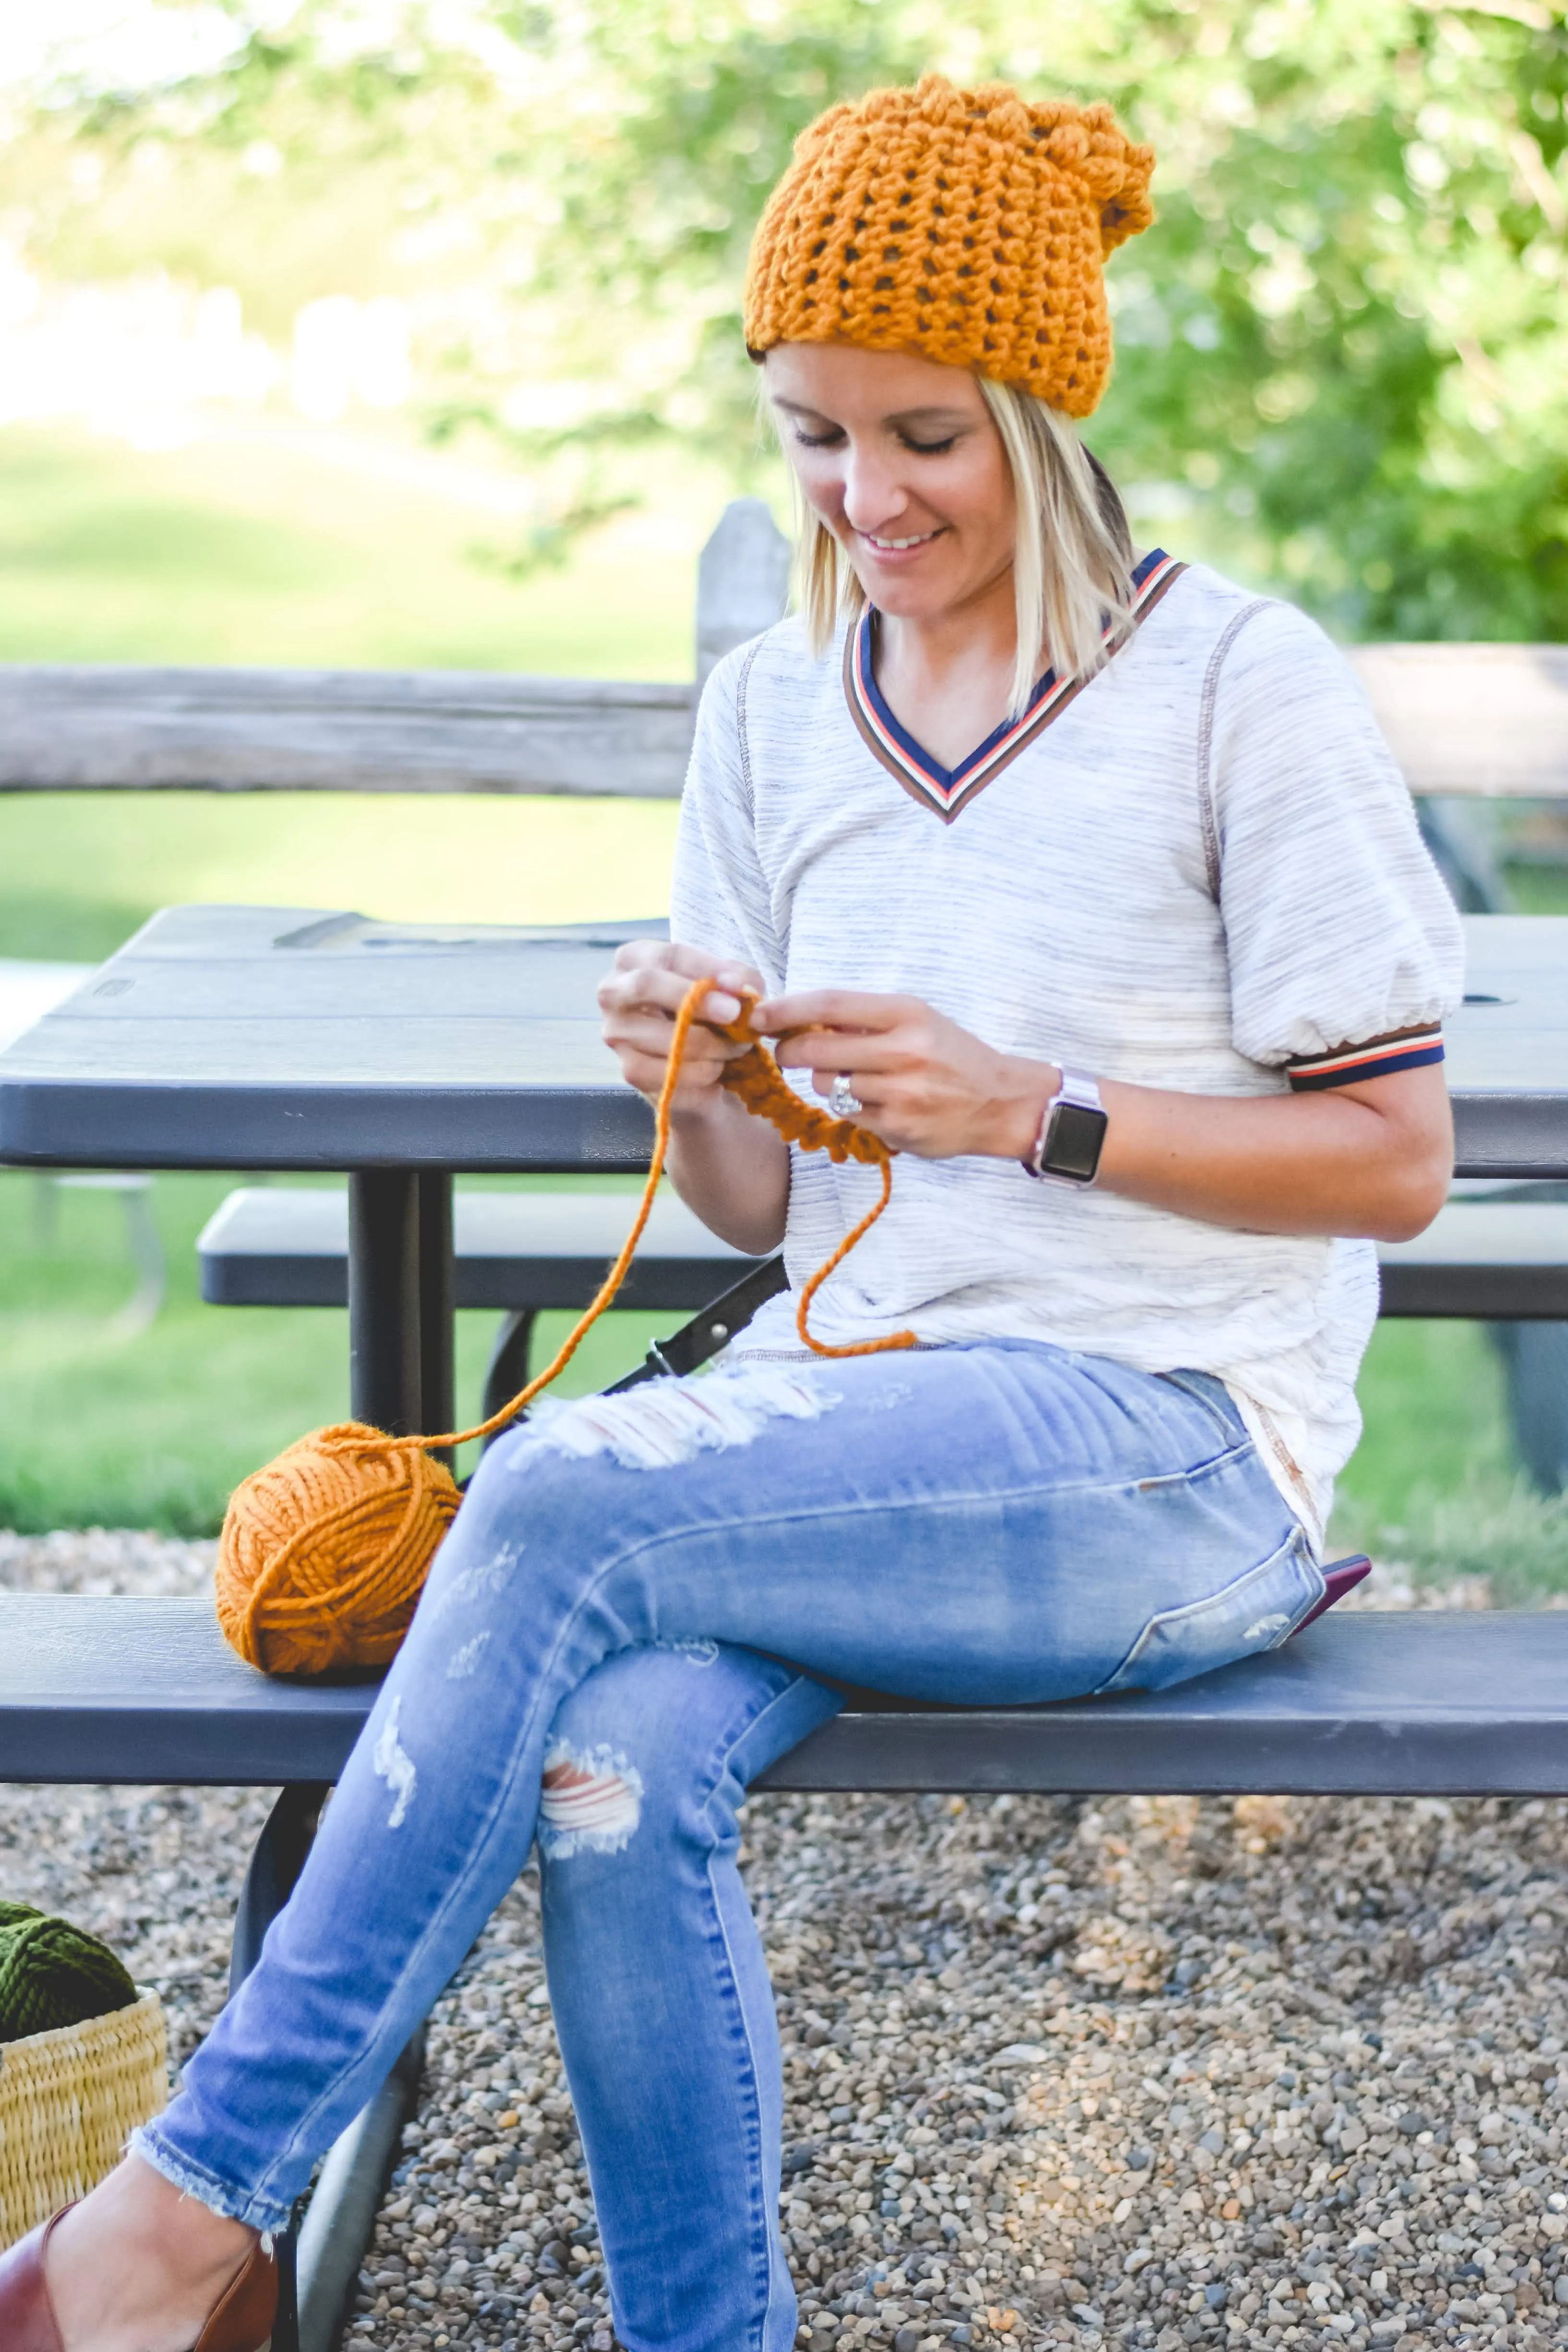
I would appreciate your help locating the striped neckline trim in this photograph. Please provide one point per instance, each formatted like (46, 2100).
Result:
(945, 791)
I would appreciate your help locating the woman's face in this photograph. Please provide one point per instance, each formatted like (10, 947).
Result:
(902, 461)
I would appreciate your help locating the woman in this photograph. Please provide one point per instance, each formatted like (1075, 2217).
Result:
(1035, 854)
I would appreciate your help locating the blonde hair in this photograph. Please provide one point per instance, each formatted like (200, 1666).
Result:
(1073, 559)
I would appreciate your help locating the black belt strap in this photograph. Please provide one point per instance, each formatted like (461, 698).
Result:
(714, 1329)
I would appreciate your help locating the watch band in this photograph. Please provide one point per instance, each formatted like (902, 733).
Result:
(1071, 1134)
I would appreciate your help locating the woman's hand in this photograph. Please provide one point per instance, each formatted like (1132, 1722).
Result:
(925, 1085)
(732, 1168)
(640, 997)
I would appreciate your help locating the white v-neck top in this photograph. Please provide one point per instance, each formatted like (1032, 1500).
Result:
(1201, 871)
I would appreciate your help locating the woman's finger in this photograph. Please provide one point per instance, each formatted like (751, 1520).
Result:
(657, 973)
(872, 1110)
(650, 1033)
(832, 1008)
(648, 1072)
(728, 971)
(658, 989)
(639, 951)
(843, 1049)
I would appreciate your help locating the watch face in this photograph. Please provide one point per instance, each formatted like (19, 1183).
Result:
(1073, 1147)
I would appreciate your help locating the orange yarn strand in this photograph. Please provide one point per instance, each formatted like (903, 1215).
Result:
(325, 1550)
(759, 1082)
(604, 1296)
(860, 1347)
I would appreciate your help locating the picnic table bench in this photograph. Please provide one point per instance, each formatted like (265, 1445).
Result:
(525, 1253)
(147, 1693)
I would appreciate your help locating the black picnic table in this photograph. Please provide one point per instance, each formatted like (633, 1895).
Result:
(282, 1038)
(401, 1054)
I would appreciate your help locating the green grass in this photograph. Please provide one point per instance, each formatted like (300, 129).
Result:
(155, 1430)
(301, 549)
(1432, 1401)
(79, 871)
(1435, 1483)
(277, 545)
(1538, 889)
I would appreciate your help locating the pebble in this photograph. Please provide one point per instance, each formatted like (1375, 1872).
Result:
(1143, 2072)
(93, 1560)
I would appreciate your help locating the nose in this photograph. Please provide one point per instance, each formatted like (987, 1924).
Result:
(873, 496)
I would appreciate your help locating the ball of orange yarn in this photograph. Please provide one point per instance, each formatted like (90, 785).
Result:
(324, 1552)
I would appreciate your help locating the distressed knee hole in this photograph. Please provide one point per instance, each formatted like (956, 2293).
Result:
(668, 1422)
(590, 1803)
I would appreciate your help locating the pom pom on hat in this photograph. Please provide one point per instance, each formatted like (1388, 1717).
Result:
(966, 226)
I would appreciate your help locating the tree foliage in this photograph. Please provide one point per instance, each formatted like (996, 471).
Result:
(1343, 351)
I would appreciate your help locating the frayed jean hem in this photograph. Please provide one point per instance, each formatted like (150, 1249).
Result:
(231, 2204)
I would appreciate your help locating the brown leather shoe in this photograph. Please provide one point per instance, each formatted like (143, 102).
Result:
(242, 2322)
(27, 2322)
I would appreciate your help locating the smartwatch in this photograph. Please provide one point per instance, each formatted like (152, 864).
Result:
(1071, 1133)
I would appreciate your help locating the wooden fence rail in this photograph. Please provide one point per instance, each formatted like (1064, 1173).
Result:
(1463, 720)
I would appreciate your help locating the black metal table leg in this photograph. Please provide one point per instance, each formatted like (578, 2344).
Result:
(276, 1862)
(437, 1401)
(340, 2219)
(400, 1380)
(318, 2257)
(508, 1369)
(275, 1866)
(384, 1368)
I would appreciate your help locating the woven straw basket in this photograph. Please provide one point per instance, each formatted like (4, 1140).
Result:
(68, 2101)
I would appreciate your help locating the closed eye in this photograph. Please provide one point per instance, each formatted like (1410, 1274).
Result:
(834, 436)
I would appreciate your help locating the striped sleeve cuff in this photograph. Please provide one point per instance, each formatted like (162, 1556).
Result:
(1379, 1057)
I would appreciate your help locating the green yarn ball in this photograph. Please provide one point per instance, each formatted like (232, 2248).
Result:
(53, 1974)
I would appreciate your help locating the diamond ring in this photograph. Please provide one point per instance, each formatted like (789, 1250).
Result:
(841, 1102)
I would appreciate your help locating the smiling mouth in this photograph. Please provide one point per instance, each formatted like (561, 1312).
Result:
(891, 546)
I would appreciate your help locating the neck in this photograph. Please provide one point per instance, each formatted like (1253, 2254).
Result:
(974, 638)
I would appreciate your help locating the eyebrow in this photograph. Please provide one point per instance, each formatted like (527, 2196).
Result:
(903, 417)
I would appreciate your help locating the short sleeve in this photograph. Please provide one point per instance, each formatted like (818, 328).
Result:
(718, 894)
(1345, 949)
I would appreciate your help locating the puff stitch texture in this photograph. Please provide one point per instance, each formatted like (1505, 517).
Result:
(966, 226)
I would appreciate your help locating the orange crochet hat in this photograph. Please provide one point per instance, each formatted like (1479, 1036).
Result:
(963, 224)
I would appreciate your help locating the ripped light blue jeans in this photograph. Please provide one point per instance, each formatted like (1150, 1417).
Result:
(598, 1662)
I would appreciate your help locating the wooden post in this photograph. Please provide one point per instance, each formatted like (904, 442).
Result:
(743, 582)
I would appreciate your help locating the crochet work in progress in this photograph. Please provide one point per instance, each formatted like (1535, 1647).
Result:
(966, 226)
(52, 1974)
(324, 1552)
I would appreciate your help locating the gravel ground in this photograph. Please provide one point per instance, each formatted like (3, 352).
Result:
(1147, 2072)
